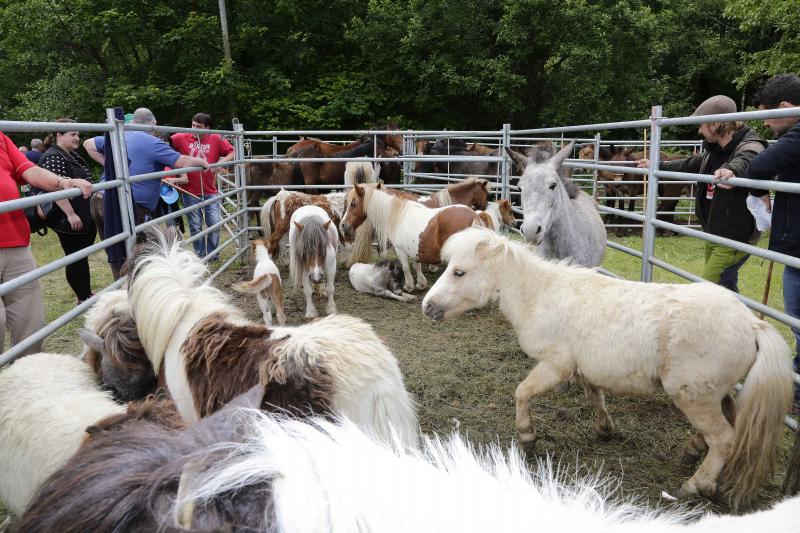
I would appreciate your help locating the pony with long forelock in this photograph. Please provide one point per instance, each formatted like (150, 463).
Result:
(266, 283)
(627, 337)
(416, 232)
(208, 353)
(313, 240)
(242, 470)
(46, 402)
(113, 350)
(558, 217)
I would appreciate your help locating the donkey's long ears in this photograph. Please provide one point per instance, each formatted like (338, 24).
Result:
(563, 154)
(520, 160)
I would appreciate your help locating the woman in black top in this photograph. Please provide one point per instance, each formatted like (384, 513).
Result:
(72, 220)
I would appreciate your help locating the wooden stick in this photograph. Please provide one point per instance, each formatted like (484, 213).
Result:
(766, 287)
(180, 189)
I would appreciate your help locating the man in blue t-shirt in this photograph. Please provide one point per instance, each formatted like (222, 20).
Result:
(146, 153)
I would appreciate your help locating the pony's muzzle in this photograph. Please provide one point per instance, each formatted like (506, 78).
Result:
(315, 277)
(347, 230)
(433, 311)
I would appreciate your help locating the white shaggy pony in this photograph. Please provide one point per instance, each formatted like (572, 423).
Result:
(266, 283)
(331, 477)
(169, 299)
(313, 240)
(627, 337)
(46, 402)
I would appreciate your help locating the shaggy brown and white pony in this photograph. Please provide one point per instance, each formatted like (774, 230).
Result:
(113, 350)
(208, 352)
(627, 337)
(313, 241)
(46, 402)
(266, 283)
(277, 212)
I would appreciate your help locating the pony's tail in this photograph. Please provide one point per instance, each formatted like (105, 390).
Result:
(761, 407)
(362, 245)
(254, 285)
(266, 217)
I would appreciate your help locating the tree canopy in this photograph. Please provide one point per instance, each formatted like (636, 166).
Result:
(432, 64)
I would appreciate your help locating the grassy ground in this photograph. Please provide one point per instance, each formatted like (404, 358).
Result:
(463, 373)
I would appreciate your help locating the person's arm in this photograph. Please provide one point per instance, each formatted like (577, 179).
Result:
(91, 148)
(180, 179)
(228, 157)
(57, 166)
(690, 164)
(739, 163)
(189, 161)
(46, 180)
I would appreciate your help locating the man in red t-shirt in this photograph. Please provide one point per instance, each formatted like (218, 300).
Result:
(22, 309)
(203, 185)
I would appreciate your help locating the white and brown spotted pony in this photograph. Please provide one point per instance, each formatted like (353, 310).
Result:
(416, 232)
(207, 352)
(266, 283)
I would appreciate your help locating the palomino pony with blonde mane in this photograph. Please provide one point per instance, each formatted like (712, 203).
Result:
(207, 352)
(416, 232)
(628, 337)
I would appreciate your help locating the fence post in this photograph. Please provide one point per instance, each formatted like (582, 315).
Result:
(505, 143)
(274, 146)
(409, 148)
(120, 158)
(596, 161)
(649, 231)
(241, 182)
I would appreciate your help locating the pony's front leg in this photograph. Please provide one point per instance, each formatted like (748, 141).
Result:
(408, 284)
(386, 293)
(263, 303)
(311, 311)
(541, 379)
(422, 281)
(330, 276)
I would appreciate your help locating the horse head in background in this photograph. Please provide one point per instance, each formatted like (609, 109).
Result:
(557, 216)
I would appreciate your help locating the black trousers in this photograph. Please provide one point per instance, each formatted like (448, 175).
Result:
(78, 273)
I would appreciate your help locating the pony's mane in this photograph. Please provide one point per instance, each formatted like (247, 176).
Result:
(384, 210)
(310, 242)
(348, 482)
(164, 285)
(443, 198)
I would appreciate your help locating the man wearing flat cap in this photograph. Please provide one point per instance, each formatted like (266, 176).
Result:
(722, 209)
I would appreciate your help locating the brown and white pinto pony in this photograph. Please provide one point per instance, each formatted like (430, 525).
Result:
(497, 215)
(277, 212)
(416, 232)
(208, 352)
(46, 402)
(266, 283)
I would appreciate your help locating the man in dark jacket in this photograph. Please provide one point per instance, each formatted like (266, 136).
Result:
(782, 159)
(722, 209)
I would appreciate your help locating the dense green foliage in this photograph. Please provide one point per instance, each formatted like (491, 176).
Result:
(420, 63)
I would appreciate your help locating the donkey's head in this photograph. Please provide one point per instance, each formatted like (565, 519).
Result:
(544, 191)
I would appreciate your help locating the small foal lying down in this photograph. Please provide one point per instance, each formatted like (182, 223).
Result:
(384, 278)
(266, 283)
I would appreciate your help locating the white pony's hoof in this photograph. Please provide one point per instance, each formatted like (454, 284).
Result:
(331, 308)
(422, 284)
(408, 288)
(311, 313)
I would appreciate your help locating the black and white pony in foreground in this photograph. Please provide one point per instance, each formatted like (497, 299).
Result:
(558, 217)
(244, 470)
(631, 338)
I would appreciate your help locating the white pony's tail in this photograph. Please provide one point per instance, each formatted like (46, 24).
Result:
(368, 386)
(761, 406)
(265, 216)
(165, 282)
(253, 286)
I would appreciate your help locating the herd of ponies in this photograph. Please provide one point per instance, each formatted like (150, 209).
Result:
(183, 415)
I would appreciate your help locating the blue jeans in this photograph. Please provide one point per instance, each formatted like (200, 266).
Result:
(791, 305)
(210, 241)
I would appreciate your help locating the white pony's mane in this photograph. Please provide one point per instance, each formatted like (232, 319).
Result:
(165, 285)
(332, 477)
(385, 212)
(443, 198)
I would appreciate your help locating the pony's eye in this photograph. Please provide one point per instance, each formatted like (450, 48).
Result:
(458, 273)
(552, 185)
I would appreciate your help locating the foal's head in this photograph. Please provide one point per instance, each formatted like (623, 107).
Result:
(311, 249)
(471, 192)
(545, 193)
(470, 278)
(506, 213)
(355, 210)
(393, 274)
